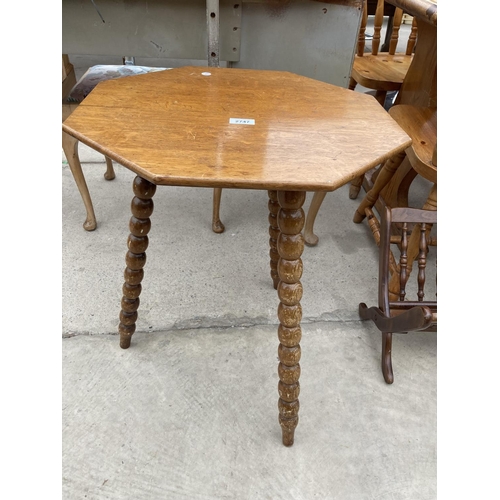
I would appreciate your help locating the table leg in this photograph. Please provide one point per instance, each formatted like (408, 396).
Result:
(70, 147)
(274, 232)
(217, 226)
(140, 224)
(109, 175)
(310, 238)
(290, 245)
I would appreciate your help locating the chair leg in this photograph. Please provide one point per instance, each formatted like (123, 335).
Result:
(70, 147)
(109, 175)
(217, 226)
(355, 187)
(383, 178)
(310, 238)
(387, 358)
(356, 183)
(380, 95)
(380, 320)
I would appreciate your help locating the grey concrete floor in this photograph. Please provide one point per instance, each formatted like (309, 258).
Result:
(190, 410)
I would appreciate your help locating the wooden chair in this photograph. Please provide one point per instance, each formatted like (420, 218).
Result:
(400, 315)
(72, 97)
(382, 71)
(421, 125)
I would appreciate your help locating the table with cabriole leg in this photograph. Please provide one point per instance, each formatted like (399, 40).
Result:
(234, 128)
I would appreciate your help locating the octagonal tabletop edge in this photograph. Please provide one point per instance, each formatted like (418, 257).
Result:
(236, 128)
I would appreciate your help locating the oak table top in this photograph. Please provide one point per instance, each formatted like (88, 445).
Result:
(233, 128)
(180, 127)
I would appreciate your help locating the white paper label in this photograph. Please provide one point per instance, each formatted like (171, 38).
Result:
(242, 121)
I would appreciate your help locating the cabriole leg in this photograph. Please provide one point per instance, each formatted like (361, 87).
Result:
(310, 238)
(109, 175)
(290, 246)
(217, 226)
(70, 147)
(140, 224)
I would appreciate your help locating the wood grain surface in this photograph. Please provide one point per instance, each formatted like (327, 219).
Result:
(173, 128)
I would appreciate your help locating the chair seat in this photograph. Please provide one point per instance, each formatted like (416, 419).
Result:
(381, 71)
(102, 72)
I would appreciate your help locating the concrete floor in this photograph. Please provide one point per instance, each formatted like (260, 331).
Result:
(190, 410)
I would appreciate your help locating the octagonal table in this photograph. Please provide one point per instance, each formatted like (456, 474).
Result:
(235, 128)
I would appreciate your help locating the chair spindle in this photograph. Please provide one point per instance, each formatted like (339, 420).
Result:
(403, 263)
(412, 39)
(396, 25)
(422, 256)
(377, 27)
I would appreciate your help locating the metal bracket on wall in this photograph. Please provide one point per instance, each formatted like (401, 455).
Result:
(231, 28)
(213, 28)
(231, 31)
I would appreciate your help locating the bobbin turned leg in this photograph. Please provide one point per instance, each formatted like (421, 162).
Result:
(140, 224)
(274, 233)
(290, 246)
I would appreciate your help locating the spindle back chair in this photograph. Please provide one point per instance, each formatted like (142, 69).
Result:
(382, 71)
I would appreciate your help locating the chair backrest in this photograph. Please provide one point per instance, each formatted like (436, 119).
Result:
(378, 28)
(419, 223)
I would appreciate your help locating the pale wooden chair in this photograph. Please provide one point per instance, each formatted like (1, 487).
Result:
(382, 71)
(74, 92)
(398, 314)
(421, 125)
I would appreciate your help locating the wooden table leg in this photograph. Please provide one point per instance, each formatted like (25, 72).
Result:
(140, 224)
(70, 147)
(109, 175)
(290, 246)
(274, 233)
(310, 238)
(217, 226)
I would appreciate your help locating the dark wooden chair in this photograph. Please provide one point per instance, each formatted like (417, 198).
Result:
(401, 315)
